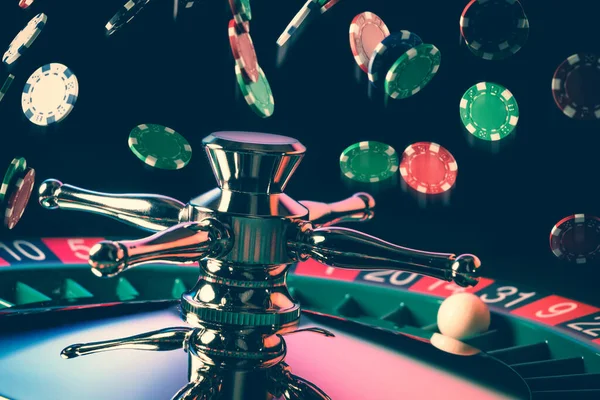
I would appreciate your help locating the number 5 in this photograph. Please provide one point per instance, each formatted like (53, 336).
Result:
(77, 245)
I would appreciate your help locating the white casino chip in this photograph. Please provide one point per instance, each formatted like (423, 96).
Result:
(24, 38)
(49, 94)
(297, 21)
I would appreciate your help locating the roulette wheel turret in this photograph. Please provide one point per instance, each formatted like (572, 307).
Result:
(246, 234)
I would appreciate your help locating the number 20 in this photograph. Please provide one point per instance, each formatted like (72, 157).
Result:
(394, 277)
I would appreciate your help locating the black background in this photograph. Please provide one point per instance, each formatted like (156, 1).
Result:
(181, 75)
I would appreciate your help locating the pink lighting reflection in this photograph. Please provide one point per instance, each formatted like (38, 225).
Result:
(348, 368)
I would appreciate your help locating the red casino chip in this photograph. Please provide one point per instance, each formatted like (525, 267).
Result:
(367, 30)
(243, 52)
(25, 3)
(576, 239)
(576, 86)
(19, 198)
(328, 5)
(428, 168)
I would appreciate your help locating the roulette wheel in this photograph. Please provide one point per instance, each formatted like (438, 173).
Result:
(231, 315)
(236, 290)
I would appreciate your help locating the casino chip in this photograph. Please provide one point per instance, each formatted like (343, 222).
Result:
(241, 11)
(186, 4)
(412, 71)
(494, 29)
(576, 239)
(243, 52)
(300, 17)
(428, 168)
(24, 39)
(328, 4)
(6, 85)
(576, 86)
(489, 111)
(19, 197)
(258, 94)
(160, 147)
(367, 30)
(25, 3)
(388, 51)
(369, 161)
(16, 168)
(49, 94)
(125, 15)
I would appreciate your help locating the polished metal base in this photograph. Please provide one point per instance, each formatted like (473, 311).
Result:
(246, 233)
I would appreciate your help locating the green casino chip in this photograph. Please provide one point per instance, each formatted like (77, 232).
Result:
(258, 94)
(16, 168)
(241, 11)
(6, 85)
(160, 147)
(412, 71)
(369, 161)
(489, 111)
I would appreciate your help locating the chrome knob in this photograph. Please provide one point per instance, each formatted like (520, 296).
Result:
(151, 212)
(252, 162)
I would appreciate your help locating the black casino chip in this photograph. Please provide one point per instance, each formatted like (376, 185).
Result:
(494, 29)
(576, 239)
(576, 86)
